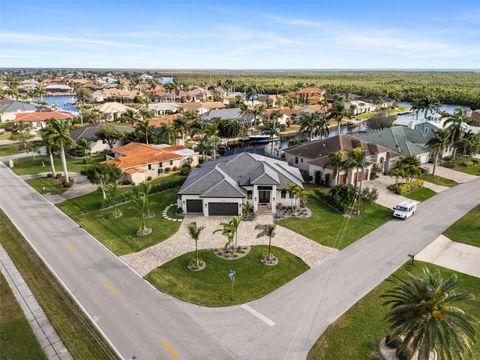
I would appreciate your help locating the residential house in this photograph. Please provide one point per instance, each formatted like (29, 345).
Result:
(158, 121)
(198, 94)
(228, 114)
(214, 105)
(39, 119)
(89, 132)
(13, 107)
(194, 106)
(142, 162)
(27, 86)
(312, 156)
(284, 112)
(119, 95)
(404, 140)
(220, 187)
(58, 89)
(113, 110)
(382, 102)
(308, 95)
(309, 109)
(358, 107)
(161, 109)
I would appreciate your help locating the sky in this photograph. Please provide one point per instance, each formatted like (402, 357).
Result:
(177, 34)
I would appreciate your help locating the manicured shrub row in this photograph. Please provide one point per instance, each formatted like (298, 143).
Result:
(167, 183)
(409, 187)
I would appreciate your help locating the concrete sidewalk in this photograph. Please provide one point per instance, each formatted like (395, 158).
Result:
(48, 338)
(452, 255)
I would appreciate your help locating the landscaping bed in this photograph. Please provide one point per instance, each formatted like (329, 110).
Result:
(47, 185)
(212, 287)
(16, 336)
(120, 235)
(324, 224)
(467, 229)
(361, 328)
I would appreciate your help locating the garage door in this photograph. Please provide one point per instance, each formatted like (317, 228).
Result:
(194, 206)
(223, 209)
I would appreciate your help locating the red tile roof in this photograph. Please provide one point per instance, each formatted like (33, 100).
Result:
(42, 116)
(162, 120)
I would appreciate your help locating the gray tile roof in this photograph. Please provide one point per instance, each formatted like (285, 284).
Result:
(225, 176)
(227, 114)
(89, 132)
(17, 106)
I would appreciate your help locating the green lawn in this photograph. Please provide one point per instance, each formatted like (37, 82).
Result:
(324, 225)
(45, 185)
(438, 180)
(120, 235)
(467, 229)
(421, 194)
(29, 165)
(472, 169)
(211, 286)
(5, 135)
(9, 149)
(16, 336)
(74, 328)
(362, 327)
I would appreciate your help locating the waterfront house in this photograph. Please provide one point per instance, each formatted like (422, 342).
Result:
(381, 102)
(142, 162)
(228, 114)
(311, 158)
(13, 107)
(39, 119)
(220, 187)
(113, 110)
(357, 107)
(161, 109)
(89, 133)
(58, 89)
(308, 95)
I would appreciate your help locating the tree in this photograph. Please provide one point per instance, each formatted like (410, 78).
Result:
(429, 104)
(84, 95)
(336, 163)
(227, 231)
(416, 105)
(113, 195)
(381, 120)
(293, 190)
(130, 117)
(147, 190)
(145, 131)
(343, 196)
(438, 144)
(267, 230)
(50, 146)
(338, 112)
(211, 130)
(110, 135)
(234, 225)
(251, 93)
(194, 232)
(182, 123)
(272, 128)
(204, 146)
(356, 159)
(23, 132)
(59, 133)
(103, 174)
(140, 205)
(85, 147)
(314, 124)
(424, 310)
(230, 128)
(455, 125)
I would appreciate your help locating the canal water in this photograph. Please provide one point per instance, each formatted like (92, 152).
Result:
(64, 103)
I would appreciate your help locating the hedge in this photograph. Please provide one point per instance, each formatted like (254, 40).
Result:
(406, 188)
(167, 183)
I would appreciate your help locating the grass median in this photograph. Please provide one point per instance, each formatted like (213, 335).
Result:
(421, 194)
(467, 229)
(74, 328)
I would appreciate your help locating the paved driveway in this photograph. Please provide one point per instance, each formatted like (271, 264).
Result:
(458, 176)
(452, 255)
(386, 197)
(146, 260)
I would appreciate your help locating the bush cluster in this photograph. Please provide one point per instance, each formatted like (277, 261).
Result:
(409, 187)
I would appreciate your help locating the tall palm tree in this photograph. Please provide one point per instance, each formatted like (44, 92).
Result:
(416, 105)
(314, 124)
(211, 130)
(455, 125)
(336, 163)
(140, 205)
(356, 159)
(338, 112)
(438, 144)
(430, 104)
(204, 146)
(272, 128)
(194, 232)
(424, 310)
(470, 143)
(227, 231)
(234, 225)
(50, 146)
(267, 230)
(251, 93)
(181, 125)
(145, 128)
(293, 190)
(58, 131)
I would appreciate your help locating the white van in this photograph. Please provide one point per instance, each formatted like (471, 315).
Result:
(405, 209)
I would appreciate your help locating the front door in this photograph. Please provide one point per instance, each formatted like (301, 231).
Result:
(264, 196)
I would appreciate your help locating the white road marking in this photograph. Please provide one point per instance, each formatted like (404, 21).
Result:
(258, 315)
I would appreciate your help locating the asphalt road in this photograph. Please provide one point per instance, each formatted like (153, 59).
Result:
(137, 319)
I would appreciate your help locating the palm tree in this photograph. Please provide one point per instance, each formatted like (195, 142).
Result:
(336, 163)
(430, 103)
(356, 159)
(272, 128)
(338, 112)
(194, 232)
(40, 91)
(470, 143)
(181, 125)
(234, 225)
(143, 127)
(416, 105)
(315, 124)
(84, 146)
(424, 310)
(438, 144)
(204, 146)
(293, 190)
(58, 132)
(211, 130)
(267, 230)
(251, 93)
(227, 231)
(455, 125)
(50, 146)
(146, 189)
(113, 195)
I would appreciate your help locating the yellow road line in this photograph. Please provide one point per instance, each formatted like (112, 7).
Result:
(71, 249)
(167, 345)
(111, 289)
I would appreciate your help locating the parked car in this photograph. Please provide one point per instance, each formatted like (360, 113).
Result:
(405, 209)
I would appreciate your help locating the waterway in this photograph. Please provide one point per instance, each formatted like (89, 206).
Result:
(64, 103)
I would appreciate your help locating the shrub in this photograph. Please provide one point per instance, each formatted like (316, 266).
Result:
(393, 342)
(306, 176)
(185, 170)
(475, 161)
(403, 353)
(407, 188)
(167, 170)
(375, 172)
(449, 164)
(369, 195)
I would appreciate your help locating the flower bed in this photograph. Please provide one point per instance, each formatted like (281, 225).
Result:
(284, 212)
(232, 253)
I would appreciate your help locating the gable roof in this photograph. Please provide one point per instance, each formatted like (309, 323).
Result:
(406, 141)
(225, 176)
(42, 116)
(113, 107)
(16, 106)
(227, 114)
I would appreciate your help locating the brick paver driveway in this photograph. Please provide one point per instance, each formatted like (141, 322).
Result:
(146, 260)
(386, 197)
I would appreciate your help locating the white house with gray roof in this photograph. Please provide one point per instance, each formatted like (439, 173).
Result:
(13, 107)
(228, 114)
(222, 186)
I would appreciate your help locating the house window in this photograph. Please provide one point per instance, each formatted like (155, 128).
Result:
(149, 166)
(159, 164)
(171, 162)
(301, 160)
(249, 194)
(283, 194)
(296, 160)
